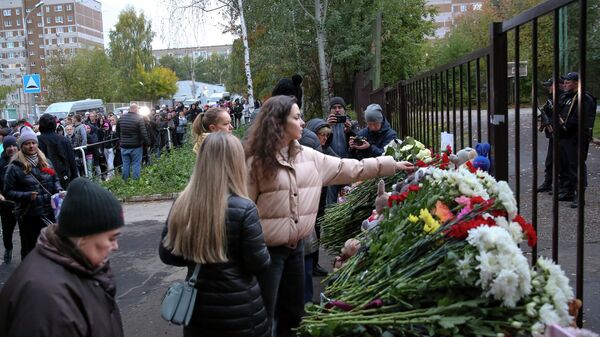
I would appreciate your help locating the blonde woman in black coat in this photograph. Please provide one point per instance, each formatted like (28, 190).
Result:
(214, 224)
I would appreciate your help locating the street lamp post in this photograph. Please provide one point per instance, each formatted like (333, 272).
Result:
(38, 5)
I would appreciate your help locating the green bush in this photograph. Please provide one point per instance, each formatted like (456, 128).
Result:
(168, 174)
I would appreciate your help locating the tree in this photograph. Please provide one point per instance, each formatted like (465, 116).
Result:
(214, 69)
(232, 10)
(177, 65)
(85, 74)
(157, 83)
(131, 42)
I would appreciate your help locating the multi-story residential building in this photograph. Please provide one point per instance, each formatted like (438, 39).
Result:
(449, 10)
(196, 52)
(30, 30)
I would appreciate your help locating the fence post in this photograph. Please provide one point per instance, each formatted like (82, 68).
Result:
(402, 110)
(499, 106)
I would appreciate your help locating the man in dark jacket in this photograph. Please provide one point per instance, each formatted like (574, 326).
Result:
(374, 137)
(569, 130)
(131, 130)
(58, 149)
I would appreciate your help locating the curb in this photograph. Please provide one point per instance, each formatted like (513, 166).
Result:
(152, 197)
(596, 141)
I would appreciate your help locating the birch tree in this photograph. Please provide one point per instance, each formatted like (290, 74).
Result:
(232, 10)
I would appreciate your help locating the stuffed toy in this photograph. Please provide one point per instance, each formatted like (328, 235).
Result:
(380, 203)
(351, 247)
(482, 161)
(462, 157)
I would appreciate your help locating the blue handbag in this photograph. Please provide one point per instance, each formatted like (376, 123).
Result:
(178, 303)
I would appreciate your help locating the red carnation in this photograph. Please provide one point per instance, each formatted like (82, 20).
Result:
(414, 188)
(471, 168)
(448, 149)
(393, 198)
(49, 171)
(421, 163)
(461, 229)
(477, 200)
(528, 230)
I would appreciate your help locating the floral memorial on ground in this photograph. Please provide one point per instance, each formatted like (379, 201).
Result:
(443, 259)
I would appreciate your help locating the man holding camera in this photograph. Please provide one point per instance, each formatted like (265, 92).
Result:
(341, 126)
(568, 134)
(370, 141)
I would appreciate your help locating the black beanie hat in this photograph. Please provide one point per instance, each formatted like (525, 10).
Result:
(288, 87)
(337, 100)
(88, 209)
(8, 141)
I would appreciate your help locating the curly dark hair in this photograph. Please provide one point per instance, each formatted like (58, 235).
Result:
(265, 136)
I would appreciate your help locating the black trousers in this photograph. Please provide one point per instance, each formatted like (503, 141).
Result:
(568, 161)
(30, 228)
(9, 222)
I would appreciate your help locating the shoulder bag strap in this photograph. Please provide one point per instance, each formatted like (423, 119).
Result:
(194, 277)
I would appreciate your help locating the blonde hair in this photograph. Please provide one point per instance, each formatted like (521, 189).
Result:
(197, 221)
(200, 127)
(42, 161)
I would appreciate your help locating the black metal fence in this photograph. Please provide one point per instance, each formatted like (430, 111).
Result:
(470, 99)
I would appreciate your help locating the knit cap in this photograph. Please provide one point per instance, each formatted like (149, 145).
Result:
(26, 134)
(89, 209)
(9, 141)
(373, 113)
(337, 100)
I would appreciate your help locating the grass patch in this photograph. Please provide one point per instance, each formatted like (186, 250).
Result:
(168, 174)
(596, 130)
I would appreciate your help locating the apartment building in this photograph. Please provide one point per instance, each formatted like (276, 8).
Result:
(196, 52)
(31, 30)
(449, 10)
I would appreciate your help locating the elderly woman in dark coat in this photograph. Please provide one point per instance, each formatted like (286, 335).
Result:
(214, 224)
(65, 286)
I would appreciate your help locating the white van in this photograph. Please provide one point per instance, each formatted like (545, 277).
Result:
(63, 109)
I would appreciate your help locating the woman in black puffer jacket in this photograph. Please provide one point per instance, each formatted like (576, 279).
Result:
(213, 223)
(30, 182)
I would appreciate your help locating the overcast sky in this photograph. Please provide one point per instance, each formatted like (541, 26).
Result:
(208, 31)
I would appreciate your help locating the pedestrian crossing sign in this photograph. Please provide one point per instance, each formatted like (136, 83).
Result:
(32, 84)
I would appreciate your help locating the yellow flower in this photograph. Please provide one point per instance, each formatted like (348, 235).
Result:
(413, 218)
(430, 224)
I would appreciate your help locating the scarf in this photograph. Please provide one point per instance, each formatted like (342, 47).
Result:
(32, 159)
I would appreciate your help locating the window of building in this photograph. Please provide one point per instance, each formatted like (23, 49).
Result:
(17, 11)
(10, 45)
(73, 40)
(12, 76)
(40, 24)
(48, 19)
(18, 22)
(40, 36)
(33, 64)
(463, 8)
(6, 12)
(30, 42)
(59, 19)
(58, 8)
(7, 23)
(70, 18)
(29, 21)
(69, 7)
(29, 32)
(59, 29)
(31, 53)
(8, 34)
(47, 9)
(71, 29)
(11, 55)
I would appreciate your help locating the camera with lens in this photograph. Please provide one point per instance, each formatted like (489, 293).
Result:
(340, 118)
(359, 141)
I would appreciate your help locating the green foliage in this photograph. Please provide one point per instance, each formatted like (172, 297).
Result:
(214, 69)
(86, 74)
(130, 42)
(168, 174)
(179, 66)
(157, 83)
(4, 91)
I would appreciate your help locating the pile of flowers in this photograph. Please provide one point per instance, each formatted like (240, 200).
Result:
(342, 221)
(445, 261)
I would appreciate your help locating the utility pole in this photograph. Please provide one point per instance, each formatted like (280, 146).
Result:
(24, 16)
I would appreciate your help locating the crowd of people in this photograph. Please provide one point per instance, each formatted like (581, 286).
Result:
(247, 216)
(568, 130)
(246, 221)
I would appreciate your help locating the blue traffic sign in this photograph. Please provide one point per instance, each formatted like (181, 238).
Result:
(32, 84)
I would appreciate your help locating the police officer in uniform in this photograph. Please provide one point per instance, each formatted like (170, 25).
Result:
(569, 130)
(545, 120)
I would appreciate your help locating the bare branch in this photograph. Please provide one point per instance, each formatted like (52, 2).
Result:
(307, 13)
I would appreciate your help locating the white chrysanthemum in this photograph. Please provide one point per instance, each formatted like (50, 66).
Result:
(503, 288)
(538, 329)
(506, 197)
(511, 227)
(464, 265)
(530, 309)
(548, 315)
